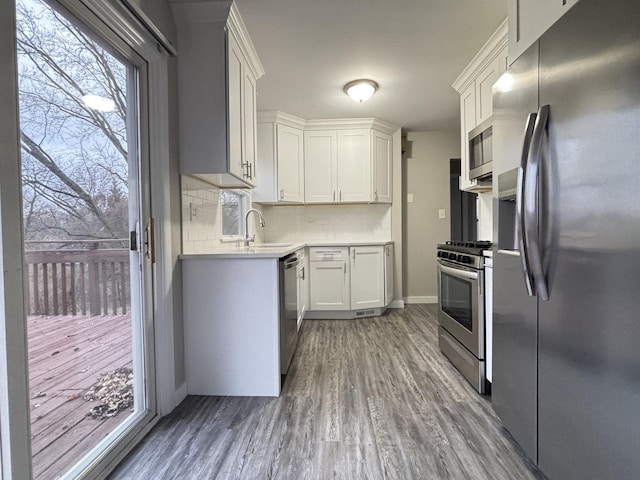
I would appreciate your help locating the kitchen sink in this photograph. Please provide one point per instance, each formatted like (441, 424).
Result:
(272, 245)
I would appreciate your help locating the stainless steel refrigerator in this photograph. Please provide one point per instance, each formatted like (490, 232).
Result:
(566, 375)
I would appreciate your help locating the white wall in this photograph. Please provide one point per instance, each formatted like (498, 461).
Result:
(426, 177)
(485, 216)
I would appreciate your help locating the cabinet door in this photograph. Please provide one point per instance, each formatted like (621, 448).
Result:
(329, 285)
(290, 164)
(305, 285)
(235, 106)
(320, 160)
(354, 165)
(388, 274)
(484, 94)
(367, 277)
(529, 19)
(249, 131)
(467, 123)
(382, 167)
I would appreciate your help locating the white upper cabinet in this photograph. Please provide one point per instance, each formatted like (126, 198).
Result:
(217, 73)
(529, 19)
(476, 97)
(483, 88)
(280, 159)
(343, 160)
(354, 166)
(320, 166)
(382, 145)
(348, 165)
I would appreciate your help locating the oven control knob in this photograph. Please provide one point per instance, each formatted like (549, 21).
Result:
(452, 256)
(441, 254)
(466, 259)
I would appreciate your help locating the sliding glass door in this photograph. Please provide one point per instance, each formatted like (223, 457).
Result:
(88, 239)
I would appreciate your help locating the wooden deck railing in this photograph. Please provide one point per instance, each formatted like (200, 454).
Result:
(91, 280)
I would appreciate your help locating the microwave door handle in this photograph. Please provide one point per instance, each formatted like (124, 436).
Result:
(455, 272)
(531, 207)
(520, 193)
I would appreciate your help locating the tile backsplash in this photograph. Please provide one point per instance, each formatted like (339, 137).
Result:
(327, 223)
(201, 216)
(202, 220)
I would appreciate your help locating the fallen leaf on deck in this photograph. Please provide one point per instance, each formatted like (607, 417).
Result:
(114, 390)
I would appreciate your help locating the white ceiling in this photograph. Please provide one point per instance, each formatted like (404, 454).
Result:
(414, 49)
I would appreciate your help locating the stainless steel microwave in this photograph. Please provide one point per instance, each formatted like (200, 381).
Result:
(481, 150)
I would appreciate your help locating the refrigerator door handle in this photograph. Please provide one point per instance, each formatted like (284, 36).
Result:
(520, 214)
(530, 207)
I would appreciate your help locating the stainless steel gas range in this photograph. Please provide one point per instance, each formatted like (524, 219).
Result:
(461, 312)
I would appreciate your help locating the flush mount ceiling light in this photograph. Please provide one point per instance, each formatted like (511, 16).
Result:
(360, 90)
(99, 103)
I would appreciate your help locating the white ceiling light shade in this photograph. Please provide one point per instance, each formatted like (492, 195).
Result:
(360, 90)
(99, 103)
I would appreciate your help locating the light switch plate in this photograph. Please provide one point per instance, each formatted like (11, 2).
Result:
(409, 197)
(442, 213)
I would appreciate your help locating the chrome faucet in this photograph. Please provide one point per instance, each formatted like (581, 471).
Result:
(248, 239)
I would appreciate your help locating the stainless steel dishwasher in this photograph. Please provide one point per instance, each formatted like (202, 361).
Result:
(288, 309)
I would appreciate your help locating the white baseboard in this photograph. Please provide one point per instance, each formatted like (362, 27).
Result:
(396, 304)
(181, 393)
(421, 299)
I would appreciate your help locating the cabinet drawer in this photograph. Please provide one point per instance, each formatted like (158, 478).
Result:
(328, 254)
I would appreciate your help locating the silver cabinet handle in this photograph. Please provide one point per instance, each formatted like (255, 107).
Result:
(251, 170)
(531, 208)
(520, 217)
(340, 197)
(375, 196)
(334, 196)
(282, 194)
(345, 268)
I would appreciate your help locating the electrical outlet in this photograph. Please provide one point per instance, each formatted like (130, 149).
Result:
(442, 214)
(409, 197)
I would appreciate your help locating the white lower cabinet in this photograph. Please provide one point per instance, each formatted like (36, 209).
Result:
(350, 281)
(329, 285)
(388, 273)
(367, 277)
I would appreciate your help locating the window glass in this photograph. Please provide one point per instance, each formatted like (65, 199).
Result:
(233, 208)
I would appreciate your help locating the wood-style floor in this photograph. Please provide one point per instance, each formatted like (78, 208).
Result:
(365, 399)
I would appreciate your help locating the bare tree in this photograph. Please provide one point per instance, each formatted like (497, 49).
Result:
(75, 164)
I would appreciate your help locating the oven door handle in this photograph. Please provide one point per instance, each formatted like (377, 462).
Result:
(455, 272)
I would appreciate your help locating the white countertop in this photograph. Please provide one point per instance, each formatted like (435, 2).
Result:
(273, 250)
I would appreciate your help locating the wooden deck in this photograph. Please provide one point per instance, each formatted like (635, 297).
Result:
(66, 356)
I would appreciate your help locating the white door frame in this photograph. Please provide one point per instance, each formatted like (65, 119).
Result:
(14, 391)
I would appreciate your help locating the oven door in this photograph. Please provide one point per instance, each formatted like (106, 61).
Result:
(461, 308)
